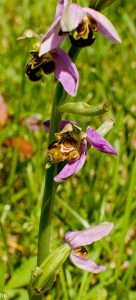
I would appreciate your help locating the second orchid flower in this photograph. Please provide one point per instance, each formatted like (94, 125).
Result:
(71, 146)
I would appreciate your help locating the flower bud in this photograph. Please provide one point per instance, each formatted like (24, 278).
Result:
(83, 109)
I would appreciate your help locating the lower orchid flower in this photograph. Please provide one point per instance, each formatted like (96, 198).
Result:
(73, 246)
(56, 61)
(78, 239)
(71, 146)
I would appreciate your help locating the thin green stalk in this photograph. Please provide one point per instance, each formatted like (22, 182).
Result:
(83, 287)
(74, 213)
(50, 185)
(63, 284)
(49, 192)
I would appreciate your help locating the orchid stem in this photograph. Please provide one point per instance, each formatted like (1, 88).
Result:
(50, 185)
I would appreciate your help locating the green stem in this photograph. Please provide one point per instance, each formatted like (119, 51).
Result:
(50, 185)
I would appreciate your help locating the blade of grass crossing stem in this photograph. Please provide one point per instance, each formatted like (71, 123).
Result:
(127, 280)
(74, 213)
(126, 216)
(63, 283)
(85, 279)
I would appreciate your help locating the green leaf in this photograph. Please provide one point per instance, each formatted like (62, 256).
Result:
(2, 274)
(132, 295)
(43, 275)
(18, 294)
(96, 292)
(101, 4)
(21, 276)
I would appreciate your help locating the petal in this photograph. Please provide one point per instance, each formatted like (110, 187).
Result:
(66, 71)
(86, 237)
(105, 27)
(51, 39)
(51, 29)
(46, 124)
(71, 17)
(85, 263)
(61, 4)
(73, 167)
(98, 142)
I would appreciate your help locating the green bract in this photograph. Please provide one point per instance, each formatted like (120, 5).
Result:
(43, 276)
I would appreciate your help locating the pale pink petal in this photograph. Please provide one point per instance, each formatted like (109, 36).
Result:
(85, 263)
(71, 17)
(51, 29)
(72, 167)
(98, 142)
(51, 39)
(105, 27)
(61, 4)
(66, 71)
(86, 237)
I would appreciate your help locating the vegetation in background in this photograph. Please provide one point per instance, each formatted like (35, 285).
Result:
(106, 189)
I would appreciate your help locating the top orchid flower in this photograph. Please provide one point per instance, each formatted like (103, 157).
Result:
(80, 23)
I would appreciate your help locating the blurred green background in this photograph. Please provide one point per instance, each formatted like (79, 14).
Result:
(104, 190)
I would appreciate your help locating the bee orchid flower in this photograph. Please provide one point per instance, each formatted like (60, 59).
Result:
(56, 61)
(72, 245)
(80, 24)
(78, 239)
(71, 145)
